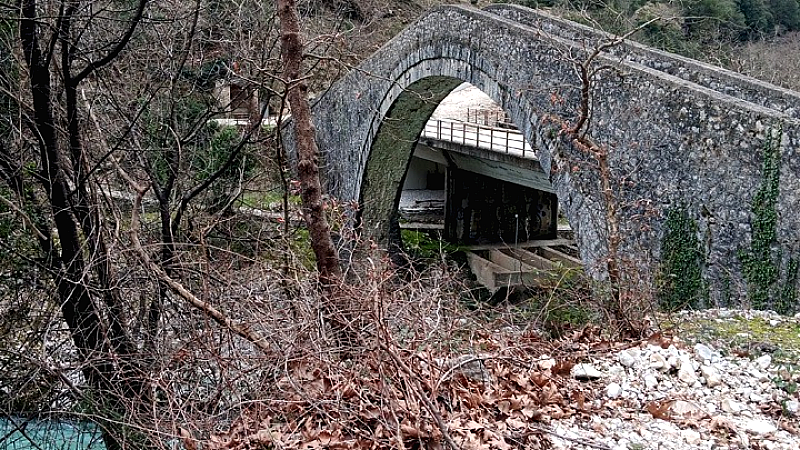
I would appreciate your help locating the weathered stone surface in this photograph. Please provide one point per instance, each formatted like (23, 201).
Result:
(759, 426)
(585, 372)
(613, 390)
(678, 132)
(626, 358)
(686, 371)
(703, 352)
(763, 361)
(792, 407)
(711, 376)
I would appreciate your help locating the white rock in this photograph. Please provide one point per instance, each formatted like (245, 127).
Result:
(650, 381)
(673, 351)
(703, 352)
(773, 323)
(691, 437)
(615, 371)
(757, 426)
(673, 361)
(657, 361)
(759, 375)
(613, 390)
(744, 441)
(547, 363)
(792, 407)
(764, 361)
(626, 358)
(686, 372)
(665, 385)
(686, 409)
(711, 375)
(731, 406)
(585, 372)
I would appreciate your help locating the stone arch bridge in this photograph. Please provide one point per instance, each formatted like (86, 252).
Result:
(702, 151)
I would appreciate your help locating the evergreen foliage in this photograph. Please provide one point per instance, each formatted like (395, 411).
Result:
(680, 281)
(762, 262)
(786, 14)
(708, 20)
(205, 149)
(694, 24)
(757, 16)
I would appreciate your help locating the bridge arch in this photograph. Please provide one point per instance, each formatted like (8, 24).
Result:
(394, 142)
(680, 134)
(392, 102)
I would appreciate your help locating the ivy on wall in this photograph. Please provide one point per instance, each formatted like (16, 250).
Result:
(680, 278)
(761, 263)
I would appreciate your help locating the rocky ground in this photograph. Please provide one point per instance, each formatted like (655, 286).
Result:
(726, 379)
(717, 379)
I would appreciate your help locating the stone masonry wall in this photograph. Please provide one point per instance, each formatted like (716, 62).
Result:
(693, 141)
(706, 75)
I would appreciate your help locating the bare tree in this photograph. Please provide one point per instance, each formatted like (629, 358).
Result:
(307, 151)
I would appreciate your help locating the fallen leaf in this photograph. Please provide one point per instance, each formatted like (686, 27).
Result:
(659, 409)
(722, 423)
(563, 368)
(411, 432)
(514, 422)
(578, 397)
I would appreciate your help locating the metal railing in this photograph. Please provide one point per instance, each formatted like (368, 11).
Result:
(490, 138)
(490, 117)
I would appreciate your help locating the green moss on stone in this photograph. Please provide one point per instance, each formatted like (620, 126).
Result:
(391, 152)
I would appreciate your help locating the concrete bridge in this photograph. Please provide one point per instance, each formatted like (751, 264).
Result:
(701, 159)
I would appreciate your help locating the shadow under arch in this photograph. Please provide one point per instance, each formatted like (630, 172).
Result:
(390, 155)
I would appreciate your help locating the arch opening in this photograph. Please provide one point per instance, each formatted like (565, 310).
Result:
(448, 159)
(390, 155)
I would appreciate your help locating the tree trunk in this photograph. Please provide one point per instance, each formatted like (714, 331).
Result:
(93, 314)
(307, 150)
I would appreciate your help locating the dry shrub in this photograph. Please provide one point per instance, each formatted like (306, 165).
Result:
(416, 370)
(775, 60)
(399, 362)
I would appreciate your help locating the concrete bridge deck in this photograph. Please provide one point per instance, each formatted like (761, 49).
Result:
(499, 140)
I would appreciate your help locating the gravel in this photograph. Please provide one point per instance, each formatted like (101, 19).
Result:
(672, 394)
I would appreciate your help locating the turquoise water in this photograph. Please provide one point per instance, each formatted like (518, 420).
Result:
(28, 434)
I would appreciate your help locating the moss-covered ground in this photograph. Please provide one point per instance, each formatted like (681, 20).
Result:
(742, 334)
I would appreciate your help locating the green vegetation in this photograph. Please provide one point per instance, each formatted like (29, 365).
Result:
(566, 305)
(763, 261)
(744, 336)
(207, 149)
(691, 28)
(680, 280)
(421, 246)
(16, 234)
(222, 153)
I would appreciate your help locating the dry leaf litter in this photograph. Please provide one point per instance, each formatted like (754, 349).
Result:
(520, 392)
